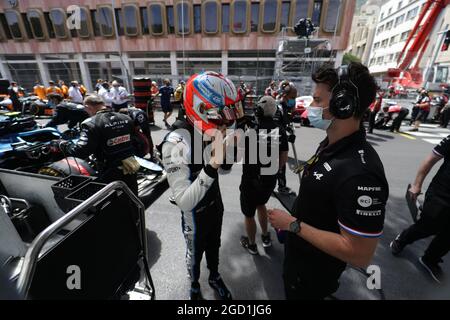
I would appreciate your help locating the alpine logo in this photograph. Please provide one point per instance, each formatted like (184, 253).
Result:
(318, 175)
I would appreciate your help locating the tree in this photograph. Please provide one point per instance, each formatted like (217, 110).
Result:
(348, 57)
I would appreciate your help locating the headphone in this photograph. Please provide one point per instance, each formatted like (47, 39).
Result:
(344, 95)
(286, 87)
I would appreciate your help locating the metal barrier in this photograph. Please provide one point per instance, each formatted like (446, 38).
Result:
(32, 254)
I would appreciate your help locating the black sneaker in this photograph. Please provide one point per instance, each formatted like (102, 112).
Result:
(285, 190)
(196, 293)
(220, 287)
(267, 242)
(396, 246)
(251, 248)
(433, 269)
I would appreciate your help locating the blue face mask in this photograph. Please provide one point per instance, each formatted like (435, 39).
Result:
(315, 117)
(291, 103)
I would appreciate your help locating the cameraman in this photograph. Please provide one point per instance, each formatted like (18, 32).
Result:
(256, 186)
(421, 109)
(339, 212)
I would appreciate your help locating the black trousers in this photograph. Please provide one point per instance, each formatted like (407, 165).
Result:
(434, 221)
(445, 117)
(306, 280)
(414, 113)
(281, 177)
(202, 231)
(372, 117)
(398, 121)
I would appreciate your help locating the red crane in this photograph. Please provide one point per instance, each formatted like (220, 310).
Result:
(404, 74)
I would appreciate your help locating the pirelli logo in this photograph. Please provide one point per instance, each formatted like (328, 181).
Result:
(375, 213)
(118, 140)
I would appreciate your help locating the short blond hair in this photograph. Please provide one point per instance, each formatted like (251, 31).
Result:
(93, 99)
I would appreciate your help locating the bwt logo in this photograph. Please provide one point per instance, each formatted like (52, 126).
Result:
(74, 19)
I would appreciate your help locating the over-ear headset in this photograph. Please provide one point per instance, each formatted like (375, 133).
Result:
(286, 87)
(344, 96)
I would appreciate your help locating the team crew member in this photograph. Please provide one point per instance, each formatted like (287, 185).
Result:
(286, 98)
(392, 110)
(421, 109)
(75, 94)
(64, 89)
(14, 92)
(53, 88)
(119, 96)
(108, 136)
(257, 187)
(194, 185)
(166, 92)
(66, 112)
(39, 91)
(339, 213)
(375, 107)
(435, 218)
(143, 141)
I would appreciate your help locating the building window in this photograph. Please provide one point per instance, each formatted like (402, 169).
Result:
(183, 17)
(332, 16)
(317, 12)
(86, 29)
(198, 18)
(404, 35)
(156, 16)
(412, 13)
(400, 5)
(211, 17)
(225, 18)
(300, 11)
(285, 13)
(170, 20)
(254, 19)
(389, 25)
(144, 21)
(58, 18)
(380, 29)
(239, 16)
(399, 20)
(131, 19)
(105, 21)
(37, 23)
(270, 10)
(14, 24)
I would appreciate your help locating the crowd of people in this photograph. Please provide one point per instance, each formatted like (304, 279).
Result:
(339, 211)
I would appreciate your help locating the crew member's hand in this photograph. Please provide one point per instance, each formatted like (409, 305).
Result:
(280, 219)
(415, 192)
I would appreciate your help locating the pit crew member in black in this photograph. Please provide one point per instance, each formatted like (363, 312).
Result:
(66, 112)
(210, 102)
(143, 138)
(434, 219)
(256, 185)
(106, 135)
(339, 212)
